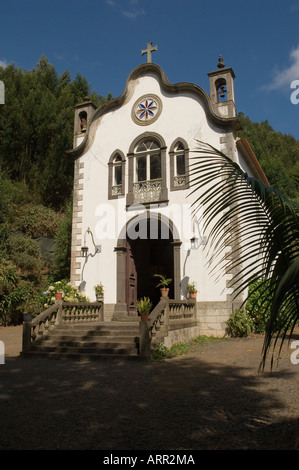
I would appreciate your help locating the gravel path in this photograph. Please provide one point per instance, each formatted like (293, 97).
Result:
(212, 398)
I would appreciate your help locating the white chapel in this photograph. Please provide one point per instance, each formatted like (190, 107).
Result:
(132, 214)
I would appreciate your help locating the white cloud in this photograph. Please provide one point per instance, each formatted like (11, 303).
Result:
(283, 78)
(129, 10)
(134, 13)
(3, 63)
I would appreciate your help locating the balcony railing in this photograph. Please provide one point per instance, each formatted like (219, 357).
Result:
(147, 191)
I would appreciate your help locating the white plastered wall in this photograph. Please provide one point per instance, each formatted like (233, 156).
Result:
(182, 116)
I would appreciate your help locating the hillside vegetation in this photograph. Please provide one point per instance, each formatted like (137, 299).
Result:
(277, 153)
(36, 178)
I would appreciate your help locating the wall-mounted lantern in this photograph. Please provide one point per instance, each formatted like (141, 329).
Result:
(85, 249)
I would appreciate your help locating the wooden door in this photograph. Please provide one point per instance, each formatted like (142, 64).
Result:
(131, 282)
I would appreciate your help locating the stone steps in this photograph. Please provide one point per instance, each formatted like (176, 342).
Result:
(86, 341)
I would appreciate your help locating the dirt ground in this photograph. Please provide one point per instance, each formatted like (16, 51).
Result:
(213, 398)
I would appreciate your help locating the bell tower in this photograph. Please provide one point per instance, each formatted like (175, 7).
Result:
(222, 91)
(83, 113)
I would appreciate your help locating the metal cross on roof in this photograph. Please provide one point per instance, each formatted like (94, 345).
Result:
(149, 51)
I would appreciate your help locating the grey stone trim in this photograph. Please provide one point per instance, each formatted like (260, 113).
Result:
(177, 268)
(76, 223)
(172, 163)
(110, 174)
(121, 253)
(234, 247)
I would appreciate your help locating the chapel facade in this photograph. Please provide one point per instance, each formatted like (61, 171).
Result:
(132, 214)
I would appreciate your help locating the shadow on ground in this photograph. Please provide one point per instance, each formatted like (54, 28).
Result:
(177, 404)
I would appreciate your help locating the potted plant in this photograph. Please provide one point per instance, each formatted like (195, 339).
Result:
(192, 290)
(99, 291)
(144, 307)
(58, 295)
(163, 284)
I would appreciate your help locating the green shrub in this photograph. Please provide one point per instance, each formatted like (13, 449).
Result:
(16, 295)
(240, 324)
(69, 293)
(24, 253)
(38, 221)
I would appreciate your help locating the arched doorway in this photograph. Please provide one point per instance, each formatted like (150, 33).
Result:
(149, 246)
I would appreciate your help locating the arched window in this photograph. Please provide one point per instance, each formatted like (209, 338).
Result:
(147, 170)
(148, 160)
(147, 179)
(116, 175)
(179, 161)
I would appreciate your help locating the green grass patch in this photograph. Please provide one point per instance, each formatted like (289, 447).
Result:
(180, 349)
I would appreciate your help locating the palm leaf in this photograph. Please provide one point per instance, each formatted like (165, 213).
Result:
(261, 227)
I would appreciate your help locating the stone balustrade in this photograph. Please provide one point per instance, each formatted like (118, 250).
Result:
(168, 316)
(37, 328)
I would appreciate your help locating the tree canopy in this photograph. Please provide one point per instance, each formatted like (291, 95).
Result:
(36, 181)
(277, 153)
(36, 128)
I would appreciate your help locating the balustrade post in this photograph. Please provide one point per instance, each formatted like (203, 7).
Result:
(144, 339)
(26, 339)
(59, 313)
(166, 316)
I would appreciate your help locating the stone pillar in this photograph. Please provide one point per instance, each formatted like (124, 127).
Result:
(177, 268)
(144, 341)
(26, 338)
(121, 263)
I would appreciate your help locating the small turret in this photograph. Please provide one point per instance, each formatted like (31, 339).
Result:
(83, 114)
(222, 91)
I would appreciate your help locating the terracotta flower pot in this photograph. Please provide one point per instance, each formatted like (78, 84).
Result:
(58, 295)
(164, 291)
(192, 295)
(144, 316)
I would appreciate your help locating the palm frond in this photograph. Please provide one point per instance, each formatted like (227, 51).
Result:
(261, 227)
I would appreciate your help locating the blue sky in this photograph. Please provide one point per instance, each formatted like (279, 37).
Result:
(103, 39)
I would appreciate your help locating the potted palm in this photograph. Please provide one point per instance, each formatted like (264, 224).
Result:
(192, 290)
(99, 291)
(144, 307)
(163, 284)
